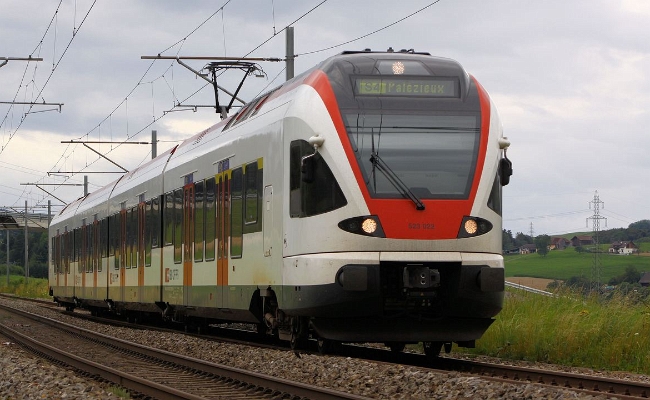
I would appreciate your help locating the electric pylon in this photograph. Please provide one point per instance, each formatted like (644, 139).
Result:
(596, 270)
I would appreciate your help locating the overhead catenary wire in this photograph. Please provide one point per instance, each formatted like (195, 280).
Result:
(131, 134)
(170, 47)
(50, 76)
(371, 33)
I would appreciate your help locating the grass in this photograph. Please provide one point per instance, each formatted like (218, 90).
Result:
(591, 333)
(572, 330)
(119, 392)
(563, 264)
(33, 288)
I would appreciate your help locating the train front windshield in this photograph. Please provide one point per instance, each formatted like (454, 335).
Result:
(434, 156)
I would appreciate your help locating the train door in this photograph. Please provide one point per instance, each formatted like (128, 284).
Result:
(188, 239)
(223, 231)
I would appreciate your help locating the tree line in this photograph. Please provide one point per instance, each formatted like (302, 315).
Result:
(637, 231)
(37, 254)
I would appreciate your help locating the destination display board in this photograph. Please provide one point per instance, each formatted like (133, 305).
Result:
(406, 87)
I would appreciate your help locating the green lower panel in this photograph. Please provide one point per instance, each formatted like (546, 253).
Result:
(150, 294)
(231, 297)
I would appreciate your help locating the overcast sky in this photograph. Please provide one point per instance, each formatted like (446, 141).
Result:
(570, 79)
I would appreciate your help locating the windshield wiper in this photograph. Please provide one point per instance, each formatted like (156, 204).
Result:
(378, 163)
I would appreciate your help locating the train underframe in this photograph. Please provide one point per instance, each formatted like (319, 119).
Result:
(396, 303)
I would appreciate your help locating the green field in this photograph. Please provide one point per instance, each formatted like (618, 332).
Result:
(563, 264)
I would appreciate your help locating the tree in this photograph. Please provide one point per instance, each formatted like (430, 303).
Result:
(38, 252)
(507, 241)
(542, 242)
(522, 239)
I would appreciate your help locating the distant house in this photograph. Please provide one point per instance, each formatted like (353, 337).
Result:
(645, 279)
(528, 248)
(624, 248)
(559, 243)
(582, 240)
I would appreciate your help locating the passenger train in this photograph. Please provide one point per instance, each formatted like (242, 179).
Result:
(358, 202)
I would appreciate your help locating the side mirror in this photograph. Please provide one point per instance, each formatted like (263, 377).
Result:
(505, 170)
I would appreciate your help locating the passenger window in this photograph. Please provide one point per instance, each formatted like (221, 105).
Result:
(178, 226)
(199, 220)
(210, 219)
(236, 222)
(251, 200)
(169, 219)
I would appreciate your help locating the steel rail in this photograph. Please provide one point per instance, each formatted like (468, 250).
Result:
(231, 374)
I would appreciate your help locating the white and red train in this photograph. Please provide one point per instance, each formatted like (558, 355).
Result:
(357, 202)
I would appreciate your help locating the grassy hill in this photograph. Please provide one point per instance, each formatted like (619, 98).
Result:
(563, 264)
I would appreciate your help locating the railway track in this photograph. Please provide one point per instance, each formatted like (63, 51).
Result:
(585, 384)
(145, 370)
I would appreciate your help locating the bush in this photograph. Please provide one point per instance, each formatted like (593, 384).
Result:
(32, 288)
(13, 270)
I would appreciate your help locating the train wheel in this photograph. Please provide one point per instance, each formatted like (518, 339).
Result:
(432, 349)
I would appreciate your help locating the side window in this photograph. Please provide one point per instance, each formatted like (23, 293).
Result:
(149, 230)
(199, 219)
(237, 209)
(169, 219)
(77, 248)
(90, 248)
(104, 237)
(210, 219)
(321, 193)
(56, 259)
(251, 200)
(131, 233)
(114, 231)
(155, 222)
(178, 226)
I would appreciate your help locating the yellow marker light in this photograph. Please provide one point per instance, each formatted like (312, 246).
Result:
(398, 68)
(369, 225)
(470, 226)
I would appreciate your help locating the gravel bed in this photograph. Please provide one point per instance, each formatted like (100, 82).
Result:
(26, 376)
(33, 378)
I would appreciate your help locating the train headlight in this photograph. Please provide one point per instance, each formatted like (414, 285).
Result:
(369, 226)
(366, 225)
(473, 226)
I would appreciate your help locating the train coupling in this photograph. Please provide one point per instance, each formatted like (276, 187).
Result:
(420, 277)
